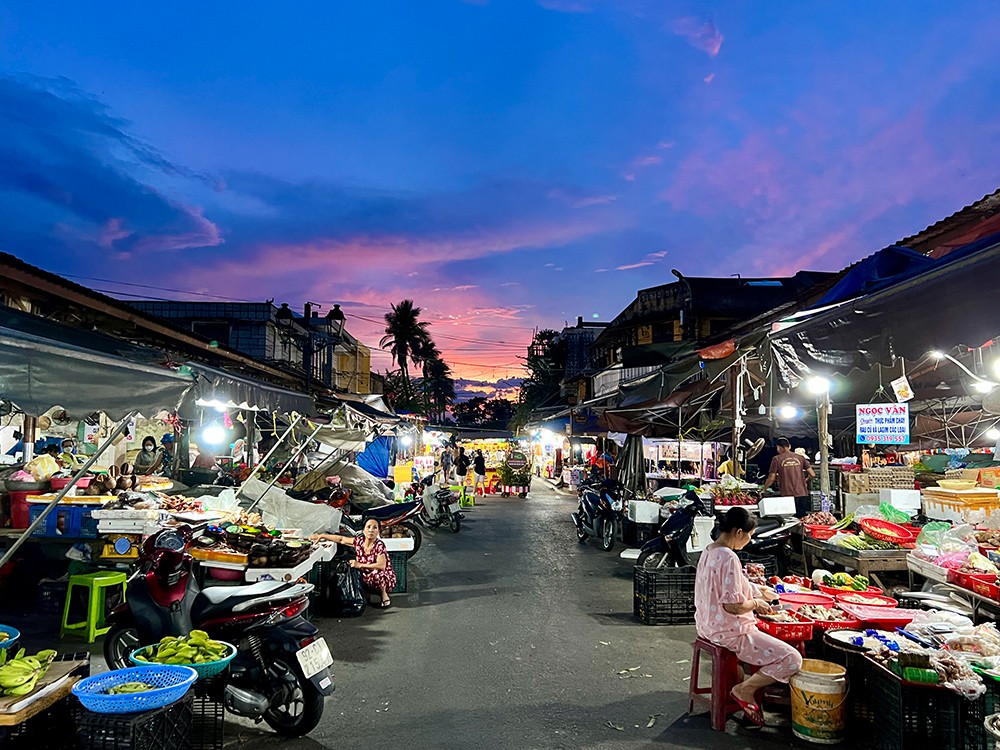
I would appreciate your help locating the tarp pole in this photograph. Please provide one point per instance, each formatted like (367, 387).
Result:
(298, 452)
(122, 427)
(257, 468)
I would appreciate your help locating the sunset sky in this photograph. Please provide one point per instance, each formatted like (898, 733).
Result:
(508, 164)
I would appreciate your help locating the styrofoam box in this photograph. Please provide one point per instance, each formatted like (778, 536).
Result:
(901, 499)
(641, 511)
(701, 534)
(776, 506)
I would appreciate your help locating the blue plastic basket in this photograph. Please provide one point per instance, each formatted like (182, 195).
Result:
(204, 670)
(171, 682)
(13, 634)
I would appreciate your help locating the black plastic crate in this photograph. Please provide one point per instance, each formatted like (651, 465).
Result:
(52, 729)
(912, 715)
(770, 562)
(664, 596)
(167, 728)
(208, 723)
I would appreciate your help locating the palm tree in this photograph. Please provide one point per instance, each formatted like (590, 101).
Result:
(405, 335)
(440, 386)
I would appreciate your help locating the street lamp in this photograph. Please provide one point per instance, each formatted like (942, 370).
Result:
(311, 342)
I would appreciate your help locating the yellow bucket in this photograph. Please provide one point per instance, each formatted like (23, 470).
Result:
(819, 692)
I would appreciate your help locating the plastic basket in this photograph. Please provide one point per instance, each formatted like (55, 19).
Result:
(770, 562)
(171, 682)
(166, 728)
(826, 626)
(398, 560)
(817, 531)
(13, 634)
(208, 724)
(664, 596)
(71, 521)
(968, 580)
(790, 632)
(205, 669)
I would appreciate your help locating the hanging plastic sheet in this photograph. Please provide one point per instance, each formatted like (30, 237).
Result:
(375, 458)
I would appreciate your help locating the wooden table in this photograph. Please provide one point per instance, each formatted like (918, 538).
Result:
(866, 562)
(56, 672)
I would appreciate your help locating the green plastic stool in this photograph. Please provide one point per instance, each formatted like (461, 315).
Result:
(95, 587)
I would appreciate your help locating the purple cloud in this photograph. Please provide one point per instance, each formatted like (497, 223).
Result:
(699, 34)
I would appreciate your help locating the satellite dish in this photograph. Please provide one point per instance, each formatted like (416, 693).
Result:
(754, 448)
(991, 402)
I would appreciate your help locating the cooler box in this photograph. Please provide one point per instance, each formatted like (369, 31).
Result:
(641, 511)
(776, 506)
(907, 500)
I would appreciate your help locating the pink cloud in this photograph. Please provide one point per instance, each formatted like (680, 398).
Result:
(112, 231)
(666, 144)
(648, 161)
(709, 78)
(699, 34)
(650, 260)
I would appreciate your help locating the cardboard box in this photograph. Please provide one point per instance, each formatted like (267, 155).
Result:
(989, 478)
(856, 484)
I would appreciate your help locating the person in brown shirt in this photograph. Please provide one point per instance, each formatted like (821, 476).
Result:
(790, 470)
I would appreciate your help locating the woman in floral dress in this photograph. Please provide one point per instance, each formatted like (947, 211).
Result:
(371, 558)
(725, 603)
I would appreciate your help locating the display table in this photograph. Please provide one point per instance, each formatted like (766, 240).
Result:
(921, 570)
(865, 562)
(324, 552)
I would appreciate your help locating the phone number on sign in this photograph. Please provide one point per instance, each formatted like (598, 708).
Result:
(883, 438)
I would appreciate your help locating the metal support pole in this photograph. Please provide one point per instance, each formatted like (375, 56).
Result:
(263, 460)
(298, 452)
(122, 426)
(824, 444)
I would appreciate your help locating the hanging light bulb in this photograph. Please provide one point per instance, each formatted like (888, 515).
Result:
(788, 412)
(993, 434)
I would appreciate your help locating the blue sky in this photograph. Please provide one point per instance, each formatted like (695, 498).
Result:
(507, 164)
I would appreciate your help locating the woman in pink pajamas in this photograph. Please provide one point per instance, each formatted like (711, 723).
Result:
(370, 557)
(725, 603)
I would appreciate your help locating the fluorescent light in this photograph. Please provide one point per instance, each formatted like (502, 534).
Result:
(214, 434)
(788, 412)
(936, 354)
(984, 386)
(993, 434)
(818, 385)
(406, 440)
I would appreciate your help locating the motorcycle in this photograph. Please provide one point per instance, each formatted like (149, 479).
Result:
(440, 507)
(597, 515)
(407, 515)
(669, 547)
(772, 538)
(281, 672)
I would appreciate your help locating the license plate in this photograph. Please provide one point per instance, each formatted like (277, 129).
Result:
(454, 508)
(314, 658)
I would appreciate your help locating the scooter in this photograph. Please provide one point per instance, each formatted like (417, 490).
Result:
(597, 515)
(669, 547)
(440, 507)
(772, 538)
(281, 672)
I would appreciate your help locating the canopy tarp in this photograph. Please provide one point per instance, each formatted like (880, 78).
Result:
(632, 466)
(39, 372)
(343, 440)
(239, 392)
(941, 308)
(878, 271)
(375, 458)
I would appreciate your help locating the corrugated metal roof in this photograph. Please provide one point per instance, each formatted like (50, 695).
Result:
(973, 222)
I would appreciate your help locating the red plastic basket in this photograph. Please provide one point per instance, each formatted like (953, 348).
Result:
(59, 483)
(797, 600)
(884, 618)
(817, 531)
(987, 588)
(791, 632)
(870, 600)
(885, 531)
(828, 625)
(835, 592)
(968, 580)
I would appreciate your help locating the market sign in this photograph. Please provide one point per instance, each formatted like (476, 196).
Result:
(517, 460)
(883, 423)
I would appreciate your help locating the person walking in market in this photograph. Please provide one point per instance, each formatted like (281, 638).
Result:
(462, 464)
(792, 472)
(446, 463)
(479, 470)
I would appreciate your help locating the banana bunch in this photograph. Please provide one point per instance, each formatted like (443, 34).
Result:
(19, 675)
(197, 648)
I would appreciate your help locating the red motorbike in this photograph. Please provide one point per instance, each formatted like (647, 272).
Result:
(281, 673)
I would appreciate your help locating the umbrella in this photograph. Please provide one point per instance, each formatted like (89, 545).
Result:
(632, 466)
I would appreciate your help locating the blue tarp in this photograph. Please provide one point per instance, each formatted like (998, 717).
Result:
(375, 458)
(884, 268)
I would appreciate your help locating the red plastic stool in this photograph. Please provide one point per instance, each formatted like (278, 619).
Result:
(725, 675)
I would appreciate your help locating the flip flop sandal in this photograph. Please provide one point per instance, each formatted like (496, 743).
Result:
(751, 711)
(386, 603)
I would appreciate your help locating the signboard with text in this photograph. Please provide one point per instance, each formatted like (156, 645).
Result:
(883, 424)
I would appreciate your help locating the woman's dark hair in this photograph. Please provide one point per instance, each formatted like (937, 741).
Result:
(737, 519)
(148, 439)
(378, 523)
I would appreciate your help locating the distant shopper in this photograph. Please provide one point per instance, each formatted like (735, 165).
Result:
(462, 466)
(446, 464)
(791, 471)
(479, 469)
(67, 457)
(150, 458)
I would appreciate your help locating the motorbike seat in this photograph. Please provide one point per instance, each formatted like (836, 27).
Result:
(217, 600)
(385, 512)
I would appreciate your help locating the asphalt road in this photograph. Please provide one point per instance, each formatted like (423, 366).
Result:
(512, 635)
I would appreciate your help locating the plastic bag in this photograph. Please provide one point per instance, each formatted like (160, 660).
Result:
(932, 534)
(351, 599)
(43, 467)
(867, 511)
(892, 514)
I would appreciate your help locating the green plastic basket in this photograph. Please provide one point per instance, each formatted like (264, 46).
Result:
(204, 670)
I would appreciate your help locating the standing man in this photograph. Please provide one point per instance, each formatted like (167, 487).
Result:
(462, 466)
(791, 471)
(479, 469)
(446, 465)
